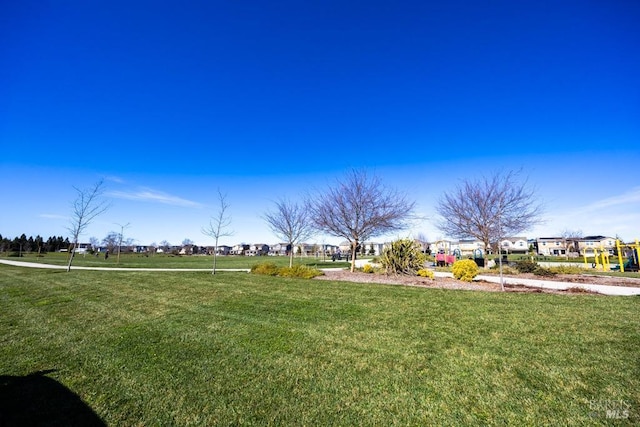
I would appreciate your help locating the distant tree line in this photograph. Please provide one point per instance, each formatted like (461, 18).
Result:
(31, 244)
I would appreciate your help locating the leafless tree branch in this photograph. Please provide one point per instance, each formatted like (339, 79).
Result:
(358, 208)
(289, 221)
(489, 208)
(86, 207)
(218, 226)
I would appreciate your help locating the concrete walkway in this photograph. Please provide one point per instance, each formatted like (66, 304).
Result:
(560, 286)
(534, 283)
(73, 267)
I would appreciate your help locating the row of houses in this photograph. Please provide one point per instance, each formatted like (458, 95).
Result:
(256, 249)
(302, 249)
(544, 246)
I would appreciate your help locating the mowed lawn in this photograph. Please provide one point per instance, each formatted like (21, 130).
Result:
(171, 261)
(190, 348)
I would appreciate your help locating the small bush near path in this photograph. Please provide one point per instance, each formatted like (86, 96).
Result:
(368, 268)
(423, 272)
(526, 266)
(300, 271)
(465, 270)
(265, 268)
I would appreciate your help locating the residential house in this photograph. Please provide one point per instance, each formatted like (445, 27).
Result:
(345, 247)
(239, 249)
(307, 249)
(221, 250)
(279, 249)
(257, 249)
(328, 249)
(376, 249)
(593, 243)
(551, 246)
(514, 245)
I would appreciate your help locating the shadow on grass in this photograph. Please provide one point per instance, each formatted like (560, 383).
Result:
(37, 400)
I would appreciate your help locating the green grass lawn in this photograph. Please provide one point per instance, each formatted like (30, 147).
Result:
(189, 348)
(170, 261)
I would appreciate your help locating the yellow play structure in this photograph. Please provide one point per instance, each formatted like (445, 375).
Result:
(601, 258)
(631, 251)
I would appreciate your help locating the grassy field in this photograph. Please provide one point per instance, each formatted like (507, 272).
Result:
(189, 348)
(170, 261)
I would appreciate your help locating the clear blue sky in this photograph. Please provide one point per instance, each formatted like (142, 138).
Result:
(169, 101)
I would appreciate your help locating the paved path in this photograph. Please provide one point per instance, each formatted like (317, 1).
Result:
(552, 284)
(73, 267)
(534, 283)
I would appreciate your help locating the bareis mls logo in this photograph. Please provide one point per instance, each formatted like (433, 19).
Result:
(611, 409)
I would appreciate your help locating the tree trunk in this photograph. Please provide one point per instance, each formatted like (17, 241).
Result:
(73, 250)
(486, 254)
(354, 248)
(215, 257)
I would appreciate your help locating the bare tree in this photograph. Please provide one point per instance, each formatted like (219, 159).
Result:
(289, 221)
(489, 209)
(86, 207)
(570, 238)
(165, 246)
(111, 241)
(95, 243)
(358, 208)
(187, 246)
(120, 237)
(218, 226)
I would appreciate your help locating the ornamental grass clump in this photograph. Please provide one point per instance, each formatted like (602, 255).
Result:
(404, 256)
(465, 270)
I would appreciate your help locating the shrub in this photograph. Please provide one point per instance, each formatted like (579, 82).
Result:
(300, 271)
(404, 256)
(566, 269)
(465, 270)
(266, 268)
(526, 266)
(368, 268)
(541, 271)
(423, 272)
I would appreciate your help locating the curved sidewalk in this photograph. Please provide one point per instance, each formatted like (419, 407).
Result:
(64, 267)
(560, 286)
(533, 283)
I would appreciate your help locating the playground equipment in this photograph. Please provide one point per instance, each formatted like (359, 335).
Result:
(444, 260)
(478, 257)
(631, 251)
(601, 258)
